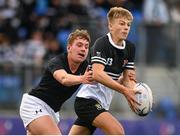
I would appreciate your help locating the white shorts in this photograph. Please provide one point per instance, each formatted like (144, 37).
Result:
(32, 108)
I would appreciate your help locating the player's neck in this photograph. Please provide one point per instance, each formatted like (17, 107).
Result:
(73, 66)
(117, 41)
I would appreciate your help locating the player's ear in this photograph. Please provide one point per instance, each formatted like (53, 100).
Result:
(109, 26)
(68, 48)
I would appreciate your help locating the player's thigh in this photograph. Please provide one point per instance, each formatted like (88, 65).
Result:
(43, 125)
(109, 124)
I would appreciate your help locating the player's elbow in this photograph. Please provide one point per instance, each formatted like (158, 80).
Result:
(64, 82)
(62, 79)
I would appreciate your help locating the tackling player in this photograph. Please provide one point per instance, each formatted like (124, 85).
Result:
(63, 75)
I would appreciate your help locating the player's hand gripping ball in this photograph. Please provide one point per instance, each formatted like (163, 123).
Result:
(144, 97)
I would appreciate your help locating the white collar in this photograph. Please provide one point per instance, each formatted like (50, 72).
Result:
(113, 44)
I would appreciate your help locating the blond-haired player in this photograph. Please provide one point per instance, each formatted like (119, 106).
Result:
(111, 56)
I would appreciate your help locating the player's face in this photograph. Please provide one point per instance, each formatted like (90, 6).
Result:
(79, 50)
(119, 28)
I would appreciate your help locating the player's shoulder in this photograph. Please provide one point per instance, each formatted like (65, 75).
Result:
(104, 37)
(130, 45)
(101, 42)
(59, 59)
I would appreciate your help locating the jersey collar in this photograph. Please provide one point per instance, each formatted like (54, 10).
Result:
(113, 44)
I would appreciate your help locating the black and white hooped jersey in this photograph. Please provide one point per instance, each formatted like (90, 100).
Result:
(115, 59)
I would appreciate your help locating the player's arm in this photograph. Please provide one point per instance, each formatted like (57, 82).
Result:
(101, 76)
(69, 79)
(99, 57)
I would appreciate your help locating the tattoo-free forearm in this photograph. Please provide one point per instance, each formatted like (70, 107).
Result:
(67, 79)
(103, 78)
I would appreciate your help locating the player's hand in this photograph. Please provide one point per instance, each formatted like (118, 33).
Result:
(130, 96)
(132, 76)
(87, 77)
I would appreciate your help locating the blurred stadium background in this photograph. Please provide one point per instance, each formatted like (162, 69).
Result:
(33, 31)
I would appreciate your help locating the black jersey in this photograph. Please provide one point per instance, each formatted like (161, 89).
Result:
(113, 57)
(49, 89)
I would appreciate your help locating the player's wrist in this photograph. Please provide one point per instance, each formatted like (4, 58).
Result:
(124, 90)
(129, 84)
(81, 79)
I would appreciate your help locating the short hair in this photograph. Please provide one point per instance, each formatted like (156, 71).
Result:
(78, 33)
(119, 12)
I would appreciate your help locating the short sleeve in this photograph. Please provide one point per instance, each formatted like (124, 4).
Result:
(99, 52)
(55, 64)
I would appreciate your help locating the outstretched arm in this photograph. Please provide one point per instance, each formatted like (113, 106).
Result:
(100, 76)
(69, 79)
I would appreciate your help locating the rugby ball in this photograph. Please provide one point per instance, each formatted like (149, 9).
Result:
(143, 96)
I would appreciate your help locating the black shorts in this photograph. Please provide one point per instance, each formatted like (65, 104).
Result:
(87, 110)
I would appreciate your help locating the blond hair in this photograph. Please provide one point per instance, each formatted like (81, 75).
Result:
(78, 33)
(119, 12)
